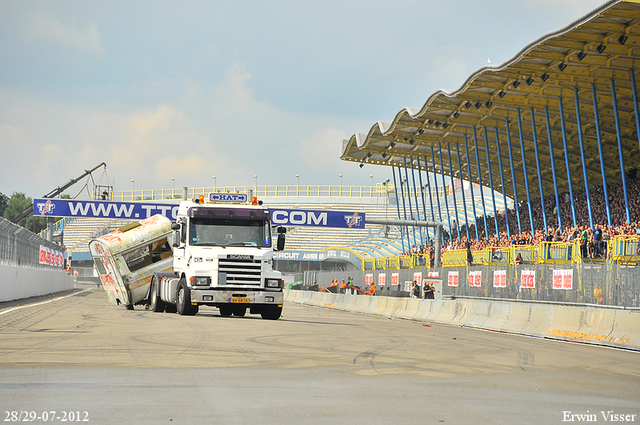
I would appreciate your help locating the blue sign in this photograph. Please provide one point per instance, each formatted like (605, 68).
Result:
(349, 220)
(142, 210)
(103, 209)
(228, 197)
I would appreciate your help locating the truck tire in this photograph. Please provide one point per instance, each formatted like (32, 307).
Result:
(183, 300)
(226, 310)
(271, 312)
(157, 305)
(240, 311)
(129, 306)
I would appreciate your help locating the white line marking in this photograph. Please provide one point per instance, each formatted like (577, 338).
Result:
(44, 302)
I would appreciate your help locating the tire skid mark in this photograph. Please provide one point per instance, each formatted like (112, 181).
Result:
(370, 355)
(56, 337)
(24, 320)
(198, 342)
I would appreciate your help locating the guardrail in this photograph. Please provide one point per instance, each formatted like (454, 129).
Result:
(622, 249)
(586, 282)
(380, 190)
(625, 249)
(377, 191)
(20, 247)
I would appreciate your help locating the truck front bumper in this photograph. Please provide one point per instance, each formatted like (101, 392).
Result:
(237, 296)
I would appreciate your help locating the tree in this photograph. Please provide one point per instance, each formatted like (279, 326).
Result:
(18, 203)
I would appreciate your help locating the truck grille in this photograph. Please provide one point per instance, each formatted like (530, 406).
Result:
(240, 271)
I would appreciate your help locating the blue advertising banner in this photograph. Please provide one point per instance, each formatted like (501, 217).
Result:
(284, 217)
(142, 210)
(103, 209)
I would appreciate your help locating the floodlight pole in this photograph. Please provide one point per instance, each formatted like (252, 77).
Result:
(414, 223)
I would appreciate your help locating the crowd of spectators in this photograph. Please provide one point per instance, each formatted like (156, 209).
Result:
(592, 239)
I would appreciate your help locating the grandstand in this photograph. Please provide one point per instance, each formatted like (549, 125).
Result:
(79, 231)
(544, 129)
(376, 241)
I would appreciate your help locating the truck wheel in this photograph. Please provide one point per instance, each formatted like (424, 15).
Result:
(271, 312)
(240, 311)
(226, 310)
(184, 300)
(157, 305)
(129, 306)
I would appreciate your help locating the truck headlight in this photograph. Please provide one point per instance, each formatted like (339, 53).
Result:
(201, 280)
(273, 283)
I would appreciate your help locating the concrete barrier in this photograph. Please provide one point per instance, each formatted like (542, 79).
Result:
(477, 313)
(21, 282)
(362, 303)
(424, 307)
(373, 305)
(529, 319)
(596, 325)
(581, 323)
(411, 308)
(626, 332)
(450, 312)
(498, 316)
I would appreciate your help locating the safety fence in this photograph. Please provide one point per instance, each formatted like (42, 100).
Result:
(622, 249)
(585, 282)
(378, 191)
(20, 247)
(581, 283)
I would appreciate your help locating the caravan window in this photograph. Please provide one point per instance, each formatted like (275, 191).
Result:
(147, 254)
(100, 266)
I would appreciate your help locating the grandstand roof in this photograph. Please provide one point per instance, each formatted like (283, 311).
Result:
(586, 57)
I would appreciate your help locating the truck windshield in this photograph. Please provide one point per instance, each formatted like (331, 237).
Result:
(229, 232)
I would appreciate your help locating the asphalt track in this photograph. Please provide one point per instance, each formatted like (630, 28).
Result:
(313, 366)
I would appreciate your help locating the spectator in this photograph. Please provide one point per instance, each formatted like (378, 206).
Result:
(519, 259)
(427, 291)
(598, 295)
(416, 290)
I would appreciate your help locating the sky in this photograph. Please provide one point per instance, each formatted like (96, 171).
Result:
(194, 89)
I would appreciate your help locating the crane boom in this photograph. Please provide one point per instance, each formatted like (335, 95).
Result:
(28, 211)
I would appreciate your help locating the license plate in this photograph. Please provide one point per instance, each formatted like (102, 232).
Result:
(238, 300)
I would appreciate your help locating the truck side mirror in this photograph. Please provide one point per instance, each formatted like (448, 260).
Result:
(280, 246)
(175, 240)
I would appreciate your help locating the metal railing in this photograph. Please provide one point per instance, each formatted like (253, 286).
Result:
(625, 249)
(622, 249)
(581, 283)
(20, 247)
(377, 191)
(585, 283)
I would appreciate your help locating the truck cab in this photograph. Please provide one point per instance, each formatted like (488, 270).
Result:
(223, 257)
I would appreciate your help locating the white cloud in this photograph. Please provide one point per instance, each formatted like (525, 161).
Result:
(452, 69)
(233, 96)
(49, 143)
(50, 30)
(224, 131)
(322, 147)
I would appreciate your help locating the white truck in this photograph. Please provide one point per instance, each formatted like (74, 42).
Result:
(222, 256)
